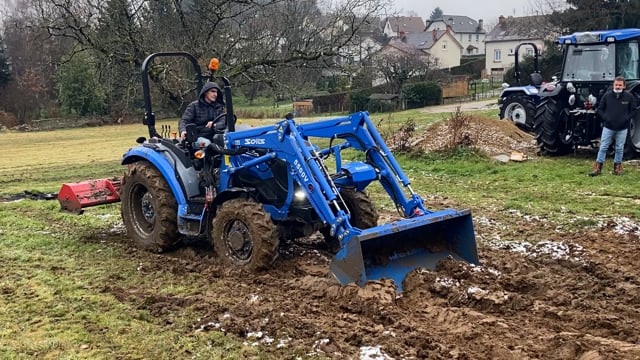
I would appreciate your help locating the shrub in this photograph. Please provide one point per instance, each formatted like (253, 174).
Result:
(422, 94)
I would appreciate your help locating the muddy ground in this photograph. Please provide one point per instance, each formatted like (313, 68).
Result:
(539, 293)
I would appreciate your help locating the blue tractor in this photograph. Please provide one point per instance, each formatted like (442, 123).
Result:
(518, 102)
(249, 190)
(567, 115)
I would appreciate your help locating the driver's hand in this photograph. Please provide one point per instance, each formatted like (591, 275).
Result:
(183, 135)
(210, 124)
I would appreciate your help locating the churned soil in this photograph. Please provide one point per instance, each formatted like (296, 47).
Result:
(538, 293)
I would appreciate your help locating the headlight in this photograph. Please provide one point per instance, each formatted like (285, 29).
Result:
(299, 195)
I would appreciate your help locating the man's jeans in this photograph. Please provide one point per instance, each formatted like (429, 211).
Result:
(606, 138)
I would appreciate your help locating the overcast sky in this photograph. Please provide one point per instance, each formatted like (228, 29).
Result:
(475, 9)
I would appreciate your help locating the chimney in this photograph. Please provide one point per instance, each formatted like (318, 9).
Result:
(434, 34)
(480, 24)
(402, 36)
(501, 20)
(449, 28)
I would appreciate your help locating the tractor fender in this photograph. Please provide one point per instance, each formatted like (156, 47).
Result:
(172, 171)
(232, 193)
(528, 90)
(551, 90)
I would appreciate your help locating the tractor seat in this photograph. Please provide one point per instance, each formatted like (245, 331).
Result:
(536, 79)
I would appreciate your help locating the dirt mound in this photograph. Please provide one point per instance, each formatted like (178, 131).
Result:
(488, 135)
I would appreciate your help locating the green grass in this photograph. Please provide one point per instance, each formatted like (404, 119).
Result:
(61, 289)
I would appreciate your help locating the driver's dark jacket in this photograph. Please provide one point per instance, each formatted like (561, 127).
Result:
(199, 112)
(616, 110)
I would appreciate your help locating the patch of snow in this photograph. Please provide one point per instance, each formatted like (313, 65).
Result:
(373, 353)
(447, 282)
(474, 290)
(208, 326)
(623, 225)
(253, 299)
(283, 343)
(557, 250)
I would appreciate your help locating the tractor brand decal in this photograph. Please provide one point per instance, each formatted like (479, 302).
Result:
(255, 141)
(300, 170)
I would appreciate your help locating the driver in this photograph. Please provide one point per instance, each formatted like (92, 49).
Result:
(204, 113)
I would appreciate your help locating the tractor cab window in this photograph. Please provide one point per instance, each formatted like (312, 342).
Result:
(589, 63)
(627, 60)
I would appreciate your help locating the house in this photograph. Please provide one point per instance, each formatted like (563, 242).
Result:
(468, 32)
(502, 40)
(399, 25)
(441, 46)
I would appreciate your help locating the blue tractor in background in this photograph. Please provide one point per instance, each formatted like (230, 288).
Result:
(518, 102)
(567, 115)
(249, 190)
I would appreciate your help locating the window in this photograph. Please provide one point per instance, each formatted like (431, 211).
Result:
(444, 44)
(529, 52)
(469, 37)
(477, 37)
(497, 55)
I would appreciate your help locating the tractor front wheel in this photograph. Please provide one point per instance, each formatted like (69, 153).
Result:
(244, 236)
(520, 109)
(363, 215)
(149, 210)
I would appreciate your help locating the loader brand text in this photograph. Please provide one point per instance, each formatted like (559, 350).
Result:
(254, 141)
(300, 170)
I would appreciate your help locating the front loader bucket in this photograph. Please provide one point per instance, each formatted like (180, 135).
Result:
(393, 250)
(74, 197)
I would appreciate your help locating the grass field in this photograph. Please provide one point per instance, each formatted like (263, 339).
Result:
(62, 285)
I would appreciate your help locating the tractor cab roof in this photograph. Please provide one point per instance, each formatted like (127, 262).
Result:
(599, 37)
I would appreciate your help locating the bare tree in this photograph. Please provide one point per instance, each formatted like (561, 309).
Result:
(274, 42)
(397, 67)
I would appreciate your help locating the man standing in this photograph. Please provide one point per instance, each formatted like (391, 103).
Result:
(616, 109)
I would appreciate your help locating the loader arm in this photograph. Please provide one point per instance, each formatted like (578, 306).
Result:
(361, 134)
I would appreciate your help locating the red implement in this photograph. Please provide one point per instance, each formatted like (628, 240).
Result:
(76, 196)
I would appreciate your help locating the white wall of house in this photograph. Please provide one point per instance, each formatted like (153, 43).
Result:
(476, 40)
(465, 39)
(446, 51)
(389, 31)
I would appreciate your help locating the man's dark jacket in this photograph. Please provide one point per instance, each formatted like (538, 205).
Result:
(616, 110)
(200, 112)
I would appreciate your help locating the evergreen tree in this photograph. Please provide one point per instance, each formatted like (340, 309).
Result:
(585, 15)
(78, 87)
(5, 70)
(436, 14)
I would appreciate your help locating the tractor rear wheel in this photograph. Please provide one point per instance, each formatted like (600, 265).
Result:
(552, 130)
(244, 236)
(520, 109)
(632, 145)
(363, 215)
(149, 210)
